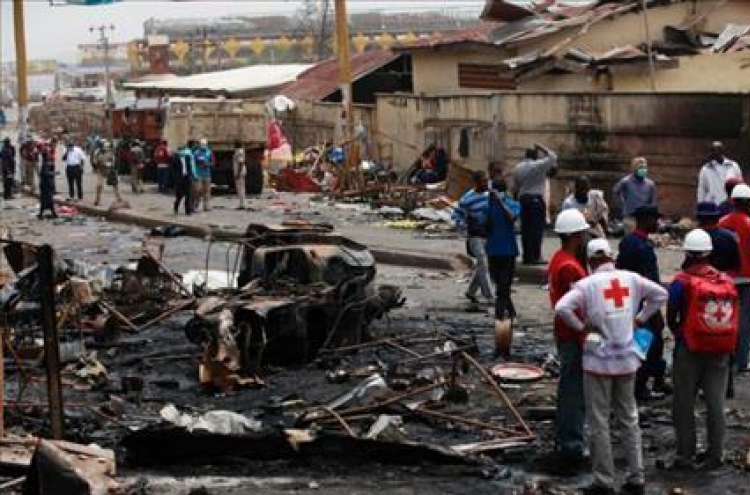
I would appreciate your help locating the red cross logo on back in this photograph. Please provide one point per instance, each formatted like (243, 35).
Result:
(617, 293)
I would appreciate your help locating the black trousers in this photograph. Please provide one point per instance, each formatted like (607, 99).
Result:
(533, 219)
(74, 174)
(8, 186)
(183, 190)
(655, 366)
(502, 271)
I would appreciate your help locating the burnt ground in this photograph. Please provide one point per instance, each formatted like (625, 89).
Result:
(167, 362)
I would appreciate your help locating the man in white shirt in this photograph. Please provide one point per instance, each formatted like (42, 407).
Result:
(74, 159)
(591, 203)
(714, 175)
(609, 301)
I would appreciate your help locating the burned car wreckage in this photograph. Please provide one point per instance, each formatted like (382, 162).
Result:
(299, 289)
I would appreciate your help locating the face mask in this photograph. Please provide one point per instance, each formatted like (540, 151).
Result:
(641, 173)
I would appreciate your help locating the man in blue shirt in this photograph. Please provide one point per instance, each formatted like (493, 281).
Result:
(637, 254)
(203, 162)
(471, 215)
(502, 250)
(725, 256)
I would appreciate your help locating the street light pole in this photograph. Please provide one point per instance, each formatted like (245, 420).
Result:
(104, 40)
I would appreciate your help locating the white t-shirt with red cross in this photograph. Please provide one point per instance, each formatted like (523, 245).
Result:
(610, 300)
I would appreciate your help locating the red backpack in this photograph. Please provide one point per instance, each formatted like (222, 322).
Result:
(712, 320)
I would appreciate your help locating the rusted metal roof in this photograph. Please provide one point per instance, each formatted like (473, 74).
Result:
(322, 79)
(481, 34)
(507, 11)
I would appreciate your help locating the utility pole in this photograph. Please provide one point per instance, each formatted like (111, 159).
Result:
(345, 84)
(104, 40)
(21, 63)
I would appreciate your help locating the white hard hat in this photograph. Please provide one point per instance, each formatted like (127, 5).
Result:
(570, 222)
(698, 241)
(597, 248)
(741, 191)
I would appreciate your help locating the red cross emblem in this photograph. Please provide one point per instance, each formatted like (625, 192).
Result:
(718, 313)
(617, 293)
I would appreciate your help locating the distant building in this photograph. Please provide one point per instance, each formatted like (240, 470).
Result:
(197, 45)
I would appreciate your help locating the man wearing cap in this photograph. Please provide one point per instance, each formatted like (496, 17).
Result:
(702, 313)
(725, 207)
(637, 254)
(635, 191)
(725, 255)
(565, 269)
(607, 306)
(739, 222)
(530, 179)
(714, 175)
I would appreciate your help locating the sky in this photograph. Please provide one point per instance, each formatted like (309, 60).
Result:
(54, 32)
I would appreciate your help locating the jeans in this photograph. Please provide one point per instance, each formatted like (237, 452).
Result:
(502, 269)
(480, 275)
(692, 372)
(606, 395)
(533, 214)
(570, 413)
(743, 342)
(74, 174)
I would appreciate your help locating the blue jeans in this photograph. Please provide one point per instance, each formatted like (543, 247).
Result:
(571, 408)
(533, 216)
(743, 342)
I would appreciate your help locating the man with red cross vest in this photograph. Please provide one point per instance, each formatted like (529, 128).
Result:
(703, 312)
(612, 304)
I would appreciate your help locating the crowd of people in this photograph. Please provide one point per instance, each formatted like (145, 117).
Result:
(608, 320)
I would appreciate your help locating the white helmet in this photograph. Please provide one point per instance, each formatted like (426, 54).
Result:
(598, 247)
(570, 222)
(741, 191)
(698, 241)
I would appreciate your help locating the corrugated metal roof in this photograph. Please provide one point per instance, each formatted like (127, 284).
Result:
(322, 79)
(245, 79)
(479, 34)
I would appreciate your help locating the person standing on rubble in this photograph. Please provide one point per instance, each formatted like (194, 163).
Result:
(203, 159)
(714, 175)
(502, 251)
(29, 161)
(161, 158)
(239, 169)
(637, 254)
(74, 158)
(739, 223)
(607, 306)
(591, 203)
(47, 179)
(471, 215)
(183, 168)
(530, 179)
(8, 162)
(635, 191)
(137, 166)
(104, 168)
(565, 269)
(703, 314)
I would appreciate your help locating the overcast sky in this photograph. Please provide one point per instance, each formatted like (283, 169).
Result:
(54, 32)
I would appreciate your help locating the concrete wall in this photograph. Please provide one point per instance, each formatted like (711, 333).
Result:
(594, 134)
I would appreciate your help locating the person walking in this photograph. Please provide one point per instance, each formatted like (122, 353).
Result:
(530, 179)
(592, 204)
(565, 269)
(502, 251)
(161, 159)
(137, 166)
(183, 167)
(239, 169)
(635, 191)
(637, 254)
(739, 222)
(74, 159)
(611, 303)
(8, 163)
(703, 314)
(203, 158)
(714, 174)
(46, 180)
(471, 215)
